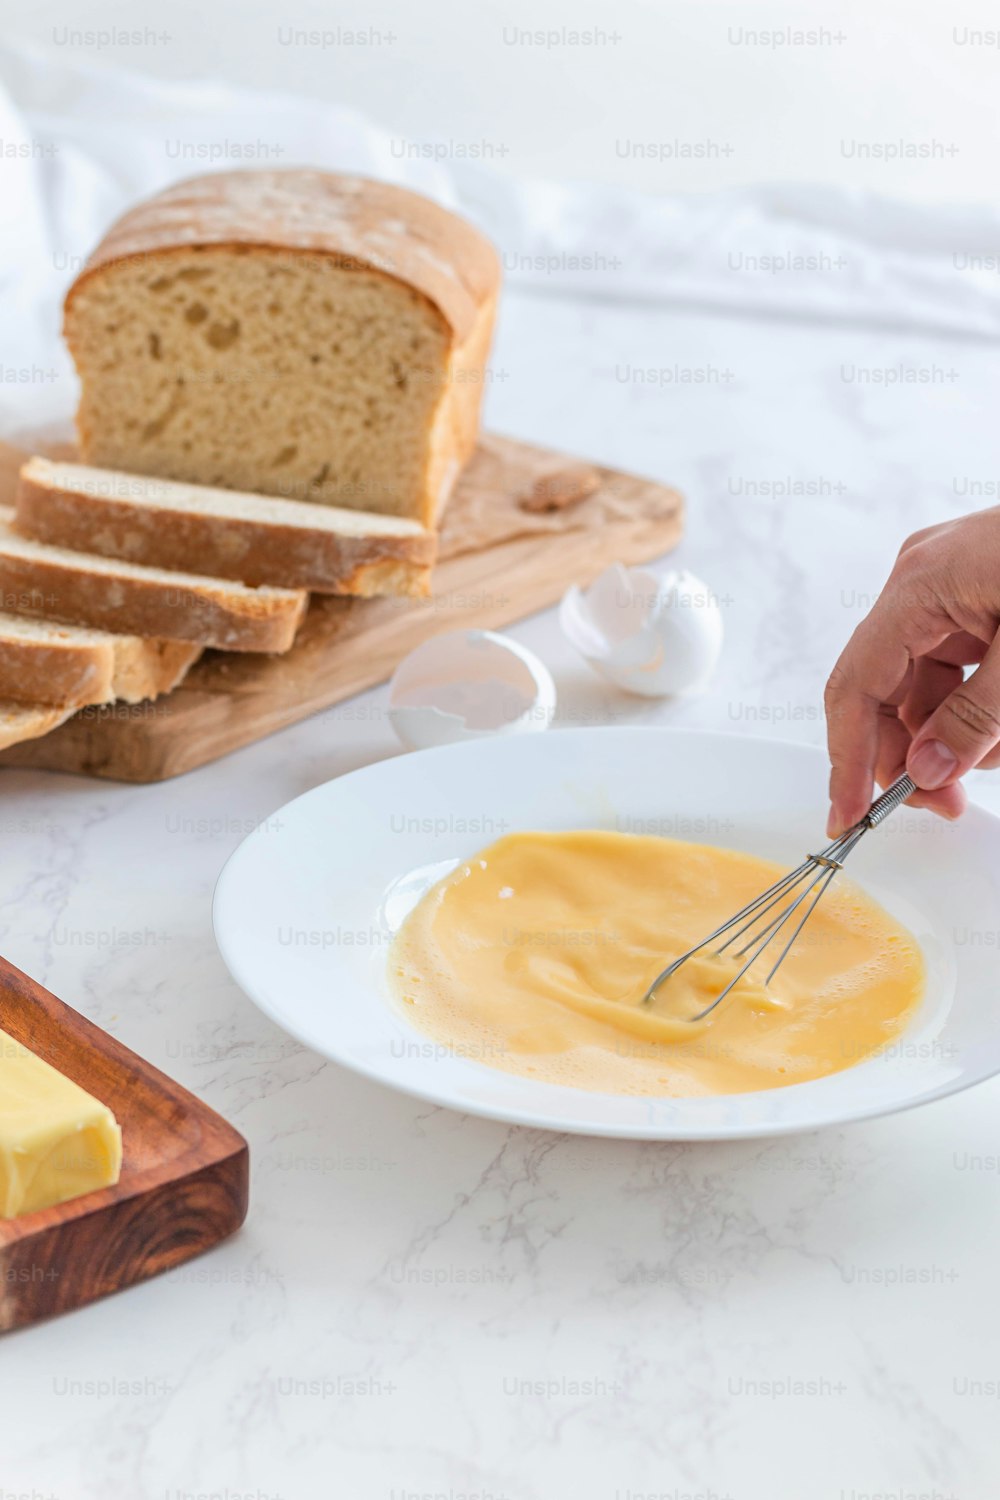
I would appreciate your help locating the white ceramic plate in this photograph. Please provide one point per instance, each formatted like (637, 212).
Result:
(306, 908)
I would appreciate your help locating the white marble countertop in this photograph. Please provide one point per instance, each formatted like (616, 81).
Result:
(426, 1304)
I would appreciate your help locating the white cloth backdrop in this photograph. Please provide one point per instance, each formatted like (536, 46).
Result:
(79, 142)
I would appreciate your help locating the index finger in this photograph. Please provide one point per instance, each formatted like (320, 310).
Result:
(870, 672)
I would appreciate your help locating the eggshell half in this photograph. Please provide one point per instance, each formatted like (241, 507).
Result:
(468, 684)
(657, 637)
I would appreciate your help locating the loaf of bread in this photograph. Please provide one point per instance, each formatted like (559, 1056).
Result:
(68, 666)
(78, 588)
(253, 538)
(295, 333)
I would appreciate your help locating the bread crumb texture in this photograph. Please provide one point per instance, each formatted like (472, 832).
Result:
(289, 372)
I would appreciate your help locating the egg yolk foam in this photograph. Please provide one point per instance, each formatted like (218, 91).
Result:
(534, 956)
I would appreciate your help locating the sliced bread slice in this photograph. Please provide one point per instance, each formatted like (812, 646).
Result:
(77, 588)
(257, 539)
(28, 721)
(69, 666)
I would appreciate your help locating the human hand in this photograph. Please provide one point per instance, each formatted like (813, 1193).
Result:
(898, 698)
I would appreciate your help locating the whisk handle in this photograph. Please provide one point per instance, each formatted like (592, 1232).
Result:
(889, 801)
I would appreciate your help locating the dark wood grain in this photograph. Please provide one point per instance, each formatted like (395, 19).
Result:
(499, 562)
(183, 1184)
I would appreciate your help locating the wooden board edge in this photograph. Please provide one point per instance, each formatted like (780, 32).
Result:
(54, 1269)
(169, 756)
(49, 1260)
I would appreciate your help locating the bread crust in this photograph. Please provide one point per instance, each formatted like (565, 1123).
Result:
(70, 506)
(28, 721)
(363, 222)
(57, 673)
(71, 671)
(77, 588)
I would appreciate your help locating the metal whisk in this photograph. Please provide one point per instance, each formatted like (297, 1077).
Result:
(817, 870)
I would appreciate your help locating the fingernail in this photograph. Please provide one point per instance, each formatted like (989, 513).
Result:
(834, 824)
(932, 764)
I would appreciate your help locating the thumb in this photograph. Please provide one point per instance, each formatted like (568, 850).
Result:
(961, 730)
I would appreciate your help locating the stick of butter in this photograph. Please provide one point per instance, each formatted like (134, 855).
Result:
(56, 1141)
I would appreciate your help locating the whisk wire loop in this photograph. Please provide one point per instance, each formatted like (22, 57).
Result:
(811, 878)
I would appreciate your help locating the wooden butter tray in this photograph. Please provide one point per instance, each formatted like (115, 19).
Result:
(501, 558)
(184, 1179)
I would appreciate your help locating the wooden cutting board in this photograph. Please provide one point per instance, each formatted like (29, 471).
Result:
(184, 1179)
(501, 559)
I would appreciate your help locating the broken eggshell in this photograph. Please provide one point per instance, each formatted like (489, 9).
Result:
(467, 684)
(653, 636)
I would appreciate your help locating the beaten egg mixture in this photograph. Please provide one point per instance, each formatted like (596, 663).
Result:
(533, 957)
